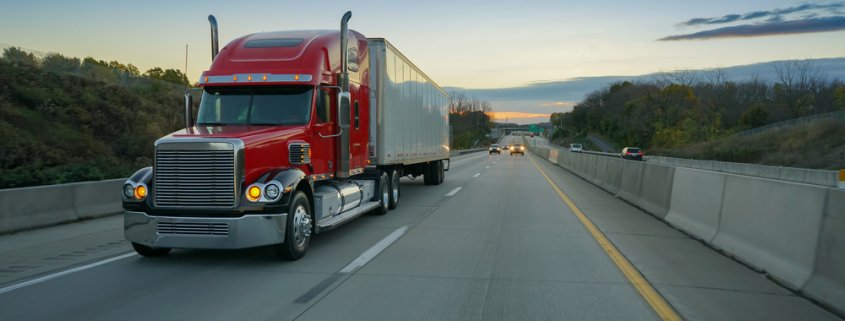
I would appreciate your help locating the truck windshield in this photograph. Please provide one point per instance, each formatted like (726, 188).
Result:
(255, 106)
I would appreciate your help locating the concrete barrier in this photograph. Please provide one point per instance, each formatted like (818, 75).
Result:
(827, 285)
(656, 189)
(613, 175)
(697, 202)
(553, 154)
(600, 173)
(772, 225)
(34, 207)
(632, 173)
(798, 175)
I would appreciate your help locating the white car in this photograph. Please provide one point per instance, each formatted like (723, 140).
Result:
(575, 148)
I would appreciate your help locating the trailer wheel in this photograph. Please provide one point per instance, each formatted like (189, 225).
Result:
(147, 251)
(298, 229)
(383, 194)
(428, 173)
(441, 172)
(394, 189)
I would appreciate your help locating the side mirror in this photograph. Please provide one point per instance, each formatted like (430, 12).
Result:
(344, 116)
(189, 101)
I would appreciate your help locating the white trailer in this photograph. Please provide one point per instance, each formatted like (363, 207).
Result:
(411, 113)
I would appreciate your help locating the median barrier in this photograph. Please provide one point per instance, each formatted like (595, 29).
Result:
(827, 285)
(97, 199)
(629, 188)
(656, 189)
(600, 170)
(612, 179)
(696, 202)
(771, 225)
(592, 167)
(553, 154)
(39, 206)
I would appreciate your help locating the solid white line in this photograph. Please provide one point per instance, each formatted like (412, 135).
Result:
(63, 273)
(453, 192)
(476, 175)
(370, 253)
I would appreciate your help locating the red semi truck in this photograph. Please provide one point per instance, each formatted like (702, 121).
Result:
(297, 132)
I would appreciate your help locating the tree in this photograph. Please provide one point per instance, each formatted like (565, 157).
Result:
(797, 87)
(169, 75)
(18, 57)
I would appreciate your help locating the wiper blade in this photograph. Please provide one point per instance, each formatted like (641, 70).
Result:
(265, 124)
(211, 124)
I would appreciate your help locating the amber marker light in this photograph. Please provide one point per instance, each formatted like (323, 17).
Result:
(206, 79)
(249, 78)
(296, 77)
(235, 77)
(140, 192)
(253, 193)
(264, 77)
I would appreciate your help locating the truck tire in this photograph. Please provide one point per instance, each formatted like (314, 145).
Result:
(383, 194)
(298, 229)
(394, 189)
(441, 172)
(428, 176)
(147, 251)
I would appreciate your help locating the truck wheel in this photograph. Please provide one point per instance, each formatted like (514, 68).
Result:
(297, 230)
(383, 194)
(428, 176)
(147, 251)
(441, 172)
(394, 189)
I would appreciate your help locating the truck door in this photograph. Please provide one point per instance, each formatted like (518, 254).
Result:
(323, 156)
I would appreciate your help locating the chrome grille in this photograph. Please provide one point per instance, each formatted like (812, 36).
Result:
(193, 177)
(193, 228)
(300, 153)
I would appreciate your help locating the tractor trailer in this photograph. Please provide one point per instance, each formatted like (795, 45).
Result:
(296, 133)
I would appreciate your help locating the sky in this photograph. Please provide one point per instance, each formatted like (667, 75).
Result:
(487, 48)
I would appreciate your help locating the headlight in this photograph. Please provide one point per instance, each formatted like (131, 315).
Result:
(128, 190)
(272, 191)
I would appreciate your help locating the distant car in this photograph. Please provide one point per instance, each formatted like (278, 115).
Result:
(632, 153)
(575, 148)
(495, 149)
(518, 149)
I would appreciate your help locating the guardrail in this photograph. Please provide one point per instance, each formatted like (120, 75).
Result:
(788, 230)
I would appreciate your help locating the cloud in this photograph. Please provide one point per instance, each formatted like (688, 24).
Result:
(827, 7)
(810, 25)
(558, 104)
(502, 115)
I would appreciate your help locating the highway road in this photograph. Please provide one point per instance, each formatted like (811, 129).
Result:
(504, 238)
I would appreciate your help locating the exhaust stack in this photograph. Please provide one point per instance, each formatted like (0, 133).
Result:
(344, 35)
(343, 100)
(214, 43)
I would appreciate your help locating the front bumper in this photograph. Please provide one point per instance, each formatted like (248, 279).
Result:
(204, 232)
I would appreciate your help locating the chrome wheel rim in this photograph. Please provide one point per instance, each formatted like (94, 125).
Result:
(301, 226)
(385, 195)
(394, 188)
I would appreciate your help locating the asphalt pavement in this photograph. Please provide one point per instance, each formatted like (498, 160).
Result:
(494, 242)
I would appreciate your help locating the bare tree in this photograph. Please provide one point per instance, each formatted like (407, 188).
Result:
(799, 82)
